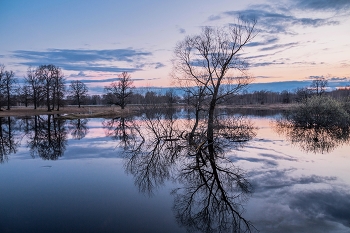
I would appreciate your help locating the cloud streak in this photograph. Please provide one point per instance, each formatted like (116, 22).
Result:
(272, 20)
(76, 55)
(322, 5)
(88, 60)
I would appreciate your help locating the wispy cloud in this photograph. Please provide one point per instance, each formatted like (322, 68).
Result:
(267, 41)
(277, 20)
(87, 60)
(279, 46)
(182, 30)
(75, 55)
(80, 74)
(322, 5)
(108, 80)
(257, 64)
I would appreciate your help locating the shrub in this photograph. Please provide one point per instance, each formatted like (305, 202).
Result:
(319, 111)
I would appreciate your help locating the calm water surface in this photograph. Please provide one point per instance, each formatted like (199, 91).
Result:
(81, 181)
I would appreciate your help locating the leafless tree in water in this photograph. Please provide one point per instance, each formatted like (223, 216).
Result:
(210, 61)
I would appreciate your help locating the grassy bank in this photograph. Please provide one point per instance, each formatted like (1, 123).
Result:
(108, 111)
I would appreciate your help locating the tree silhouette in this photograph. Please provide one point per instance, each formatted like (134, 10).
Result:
(78, 91)
(210, 61)
(120, 91)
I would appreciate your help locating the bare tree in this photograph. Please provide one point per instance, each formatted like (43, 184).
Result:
(35, 85)
(78, 90)
(121, 89)
(9, 82)
(58, 90)
(211, 60)
(319, 85)
(25, 94)
(52, 81)
(2, 77)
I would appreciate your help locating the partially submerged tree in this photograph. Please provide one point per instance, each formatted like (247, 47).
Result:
(121, 89)
(211, 62)
(78, 90)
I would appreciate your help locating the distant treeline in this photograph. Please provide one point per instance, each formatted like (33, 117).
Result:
(171, 98)
(46, 86)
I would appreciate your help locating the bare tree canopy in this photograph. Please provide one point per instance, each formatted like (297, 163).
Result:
(35, 86)
(52, 80)
(121, 90)
(9, 83)
(319, 85)
(78, 90)
(210, 63)
(2, 77)
(7, 86)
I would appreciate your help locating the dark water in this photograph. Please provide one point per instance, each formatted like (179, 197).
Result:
(74, 176)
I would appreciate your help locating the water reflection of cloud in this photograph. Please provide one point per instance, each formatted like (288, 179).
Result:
(267, 162)
(325, 210)
(329, 205)
(279, 218)
(304, 203)
(267, 181)
(92, 148)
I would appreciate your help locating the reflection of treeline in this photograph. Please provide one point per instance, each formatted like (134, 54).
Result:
(9, 137)
(45, 135)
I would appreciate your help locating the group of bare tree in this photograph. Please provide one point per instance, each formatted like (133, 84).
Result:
(44, 85)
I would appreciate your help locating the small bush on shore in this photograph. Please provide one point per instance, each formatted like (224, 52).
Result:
(319, 111)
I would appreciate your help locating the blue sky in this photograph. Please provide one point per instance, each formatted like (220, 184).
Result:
(95, 40)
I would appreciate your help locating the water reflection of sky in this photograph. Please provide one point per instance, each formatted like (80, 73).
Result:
(295, 191)
(87, 189)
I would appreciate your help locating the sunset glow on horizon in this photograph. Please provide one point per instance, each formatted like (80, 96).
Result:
(94, 41)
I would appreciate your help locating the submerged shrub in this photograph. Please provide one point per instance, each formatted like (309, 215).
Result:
(319, 111)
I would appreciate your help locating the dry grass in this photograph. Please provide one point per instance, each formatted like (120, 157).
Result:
(108, 111)
(74, 112)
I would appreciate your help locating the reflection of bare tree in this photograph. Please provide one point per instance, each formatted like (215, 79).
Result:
(212, 196)
(78, 128)
(8, 140)
(151, 159)
(314, 139)
(47, 137)
(121, 129)
(213, 189)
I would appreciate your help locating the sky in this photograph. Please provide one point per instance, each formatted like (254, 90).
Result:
(95, 40)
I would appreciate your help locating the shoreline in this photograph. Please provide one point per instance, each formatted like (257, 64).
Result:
(101, 111)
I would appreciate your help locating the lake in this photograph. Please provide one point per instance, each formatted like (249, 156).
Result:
(97, 175)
